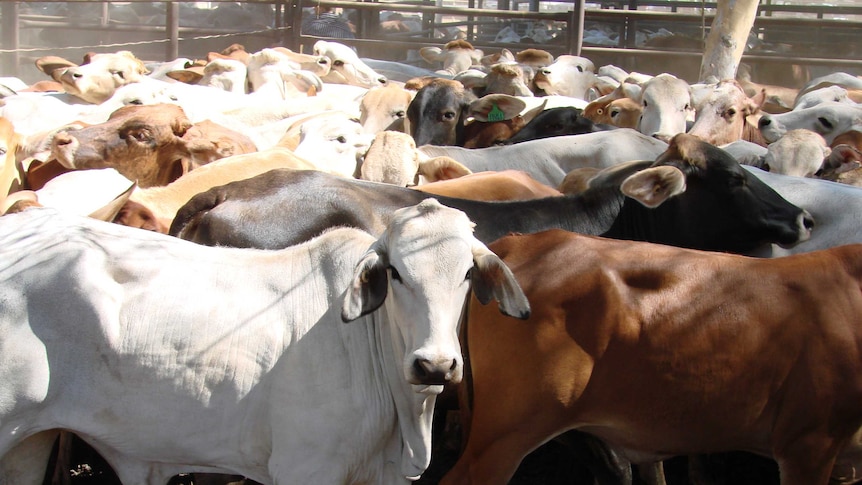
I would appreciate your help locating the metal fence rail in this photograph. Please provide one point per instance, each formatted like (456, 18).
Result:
(170, 39)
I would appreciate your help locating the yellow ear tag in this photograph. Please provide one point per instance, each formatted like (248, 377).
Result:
(496, 114)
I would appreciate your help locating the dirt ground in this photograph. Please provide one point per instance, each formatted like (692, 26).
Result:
(552, 464)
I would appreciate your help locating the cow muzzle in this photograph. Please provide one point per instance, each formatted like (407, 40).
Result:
(435, 371)
(63, 148)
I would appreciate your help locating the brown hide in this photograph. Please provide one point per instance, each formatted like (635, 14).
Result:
(667, 351)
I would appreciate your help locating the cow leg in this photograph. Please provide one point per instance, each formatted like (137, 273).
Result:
(25, 463)
(806, 463)
(493, 461)
(607, 466)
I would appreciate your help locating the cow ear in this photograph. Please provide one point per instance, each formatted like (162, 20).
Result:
(51, 64)
(654, 185)
(493, 279)
(432, 54)
(368, 288)
(496, 107)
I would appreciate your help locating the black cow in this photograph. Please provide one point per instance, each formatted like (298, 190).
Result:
(560, 121)
(700, 197)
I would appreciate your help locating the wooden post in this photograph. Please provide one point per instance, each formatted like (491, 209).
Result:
(727, 37)
(576, 24)
(10, 39)
(172, 27)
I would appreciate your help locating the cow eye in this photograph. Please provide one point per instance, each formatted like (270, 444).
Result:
(136, 101)
(119, 74)
(580, 69)
(337, 63)
(645, 103)
(731, 112)
(449, 115)
(737, 180)
(686, 107)
(2, 152)
(394, 273)
(469, 274)
(826, 124)
(341, 139)
(138, 135)
(400, 114)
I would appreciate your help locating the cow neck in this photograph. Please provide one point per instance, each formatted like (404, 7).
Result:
(413, 411)
(638, 223)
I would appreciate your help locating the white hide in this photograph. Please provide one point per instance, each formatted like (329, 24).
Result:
(828, 119)
(666, 102)
(799, 153)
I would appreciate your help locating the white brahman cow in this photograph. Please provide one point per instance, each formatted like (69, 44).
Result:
(171, 357)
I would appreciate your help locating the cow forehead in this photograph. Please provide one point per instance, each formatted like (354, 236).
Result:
(428, 222)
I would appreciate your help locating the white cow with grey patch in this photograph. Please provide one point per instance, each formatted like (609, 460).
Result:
(171, 357)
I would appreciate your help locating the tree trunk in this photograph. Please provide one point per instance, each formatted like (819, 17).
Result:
(727, 37)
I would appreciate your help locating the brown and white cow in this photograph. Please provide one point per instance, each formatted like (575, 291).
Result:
(662, 351)
(724, 114)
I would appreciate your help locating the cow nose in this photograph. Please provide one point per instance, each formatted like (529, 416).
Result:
(807, 221)
(764, 122)
(431, 373)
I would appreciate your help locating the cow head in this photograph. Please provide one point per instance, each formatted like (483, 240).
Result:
(346, 67)
(721, 113)
(828, 119)
(693, 178)
(98, 77)
(666, 103)
(567, 76)
(424, 289)
(143, 143)
(437, 113)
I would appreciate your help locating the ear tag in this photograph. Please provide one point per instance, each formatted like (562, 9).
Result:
(496, 114)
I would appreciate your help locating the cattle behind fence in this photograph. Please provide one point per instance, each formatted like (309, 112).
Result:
(166, 30)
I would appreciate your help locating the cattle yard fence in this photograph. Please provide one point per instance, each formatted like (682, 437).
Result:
(648, 36)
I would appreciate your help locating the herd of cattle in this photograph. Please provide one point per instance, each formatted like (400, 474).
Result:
(267, 267)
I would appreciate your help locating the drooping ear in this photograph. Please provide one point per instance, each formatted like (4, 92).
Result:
(652, 186)
(493, 279)
(368, 288)
(496, 107)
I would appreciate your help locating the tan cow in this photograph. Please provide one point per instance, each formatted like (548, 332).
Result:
(503, 185)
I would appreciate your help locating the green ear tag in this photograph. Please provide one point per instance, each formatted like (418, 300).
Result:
(496, 114)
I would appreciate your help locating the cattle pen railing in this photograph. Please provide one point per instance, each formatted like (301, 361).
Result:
(22, 33)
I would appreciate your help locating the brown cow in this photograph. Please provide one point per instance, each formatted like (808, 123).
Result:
(621, 112)
(665, 351)
(151, 144)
